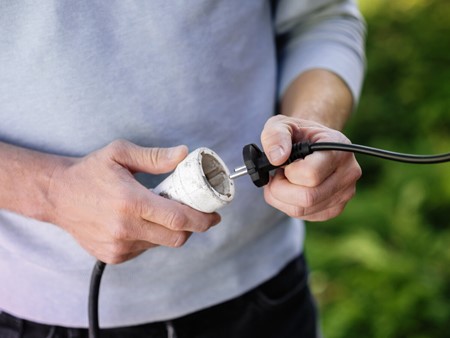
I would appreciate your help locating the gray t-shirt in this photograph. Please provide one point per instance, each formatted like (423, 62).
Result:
(75, 75)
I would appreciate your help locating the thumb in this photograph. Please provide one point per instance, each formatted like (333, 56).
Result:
(163, 160)
(276, 139)
(149, 160)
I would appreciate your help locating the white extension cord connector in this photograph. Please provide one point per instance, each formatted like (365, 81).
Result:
(201, 181)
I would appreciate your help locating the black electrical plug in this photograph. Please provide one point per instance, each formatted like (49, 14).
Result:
(257, 164)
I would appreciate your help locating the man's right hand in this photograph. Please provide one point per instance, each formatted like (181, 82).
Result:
(99, 202)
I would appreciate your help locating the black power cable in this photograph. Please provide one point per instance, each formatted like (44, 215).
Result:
(258, 167)
(257, 164)
(385, 154)
(94, 291)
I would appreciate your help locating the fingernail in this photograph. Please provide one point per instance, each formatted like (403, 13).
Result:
(276, 154)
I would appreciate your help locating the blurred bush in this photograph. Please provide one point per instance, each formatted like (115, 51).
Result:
(382, 268)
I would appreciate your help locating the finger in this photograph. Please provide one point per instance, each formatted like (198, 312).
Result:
(176, 216)
(337, 188)
(150, 160)
(313, 170)
(276, 138)
(282, 189)
(302, 211)
(326, 214)
(156, 234)
(131, 236)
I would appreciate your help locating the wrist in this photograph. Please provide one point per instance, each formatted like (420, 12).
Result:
(321, 96)
(25, 178)
(44, 207)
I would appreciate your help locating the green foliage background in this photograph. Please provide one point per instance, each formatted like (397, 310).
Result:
(382, 268)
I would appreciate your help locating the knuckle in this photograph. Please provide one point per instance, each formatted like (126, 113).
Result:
(123, 206)
(354, 169)
(118, 146)
(120, 232)
(176, 220)
(357, 173)
(272, 120)
(272, 128)
(127, 204)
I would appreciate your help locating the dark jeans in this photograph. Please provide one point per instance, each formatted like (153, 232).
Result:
(280, 308)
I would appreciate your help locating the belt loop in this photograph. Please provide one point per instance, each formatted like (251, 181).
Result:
(171, 333)
(20, 327)
(51, 334)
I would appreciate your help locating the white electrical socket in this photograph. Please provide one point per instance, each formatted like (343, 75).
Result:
(201, 181)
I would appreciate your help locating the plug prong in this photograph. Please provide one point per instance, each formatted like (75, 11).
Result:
(238, 172)
(240, 168)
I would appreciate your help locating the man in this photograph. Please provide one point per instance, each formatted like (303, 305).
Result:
(78, 78)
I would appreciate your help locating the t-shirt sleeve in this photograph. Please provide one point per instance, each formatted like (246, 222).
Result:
(321, 34)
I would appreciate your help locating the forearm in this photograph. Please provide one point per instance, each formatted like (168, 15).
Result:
(25, 176)
(326, 47)
(97, 200)
(318, 95)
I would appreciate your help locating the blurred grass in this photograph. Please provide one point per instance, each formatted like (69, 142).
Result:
(382, 268)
